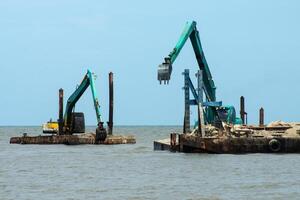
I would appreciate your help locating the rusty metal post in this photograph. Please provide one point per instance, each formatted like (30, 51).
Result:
(261, 117)
(242, 109)
(111, 103)
(186, 124)
(180, 143)
(173, 137)
(60, 111)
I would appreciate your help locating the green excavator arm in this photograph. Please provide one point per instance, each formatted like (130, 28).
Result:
(165, 69)
(87, 81)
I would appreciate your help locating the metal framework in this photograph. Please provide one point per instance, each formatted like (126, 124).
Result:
(197, 99)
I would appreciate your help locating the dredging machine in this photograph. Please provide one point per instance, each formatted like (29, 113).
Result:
(70, 126)
(73, 122)
(218, 129)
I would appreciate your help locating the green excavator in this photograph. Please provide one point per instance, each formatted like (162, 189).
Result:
(73, 122)
(214, 112)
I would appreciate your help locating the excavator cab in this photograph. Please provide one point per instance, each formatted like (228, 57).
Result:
(78, 122)
(50, 127)
(227, 114)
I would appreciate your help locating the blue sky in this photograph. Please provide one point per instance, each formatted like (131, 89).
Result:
(252, 48)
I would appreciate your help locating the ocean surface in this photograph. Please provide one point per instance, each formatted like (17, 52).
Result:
(137, 172)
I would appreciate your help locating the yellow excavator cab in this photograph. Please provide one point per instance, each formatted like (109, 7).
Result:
(50, 127)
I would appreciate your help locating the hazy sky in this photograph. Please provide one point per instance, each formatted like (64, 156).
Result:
(252, 48)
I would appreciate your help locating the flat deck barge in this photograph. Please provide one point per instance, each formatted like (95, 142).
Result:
(277, 137)
(75, 139)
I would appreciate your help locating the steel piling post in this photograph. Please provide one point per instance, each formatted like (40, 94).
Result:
(173, 137)
(261, 117)
(60, 111)
(111, 103)
(242, 109)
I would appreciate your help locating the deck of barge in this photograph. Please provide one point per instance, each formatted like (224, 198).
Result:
(76, 139)
(276, 138)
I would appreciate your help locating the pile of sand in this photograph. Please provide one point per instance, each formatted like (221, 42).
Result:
(278, 123)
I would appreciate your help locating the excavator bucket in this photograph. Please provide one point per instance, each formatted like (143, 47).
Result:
(101, 133)
(164, 72)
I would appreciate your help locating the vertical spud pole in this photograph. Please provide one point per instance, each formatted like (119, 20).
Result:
(60, 111)
(261, 117)
(173, 137)
(111, 103)
(242, 109)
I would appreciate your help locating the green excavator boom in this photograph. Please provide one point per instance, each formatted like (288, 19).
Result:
(87, 81)
(165, 70)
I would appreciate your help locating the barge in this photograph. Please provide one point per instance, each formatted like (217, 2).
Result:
(75, 139)
(277, 137)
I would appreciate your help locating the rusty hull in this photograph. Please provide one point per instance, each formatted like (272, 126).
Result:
(72, 139)
(192, 143)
